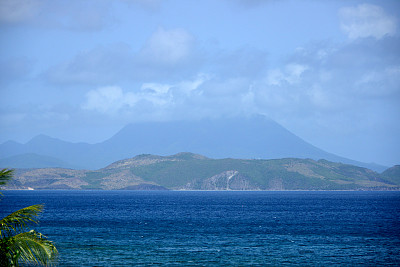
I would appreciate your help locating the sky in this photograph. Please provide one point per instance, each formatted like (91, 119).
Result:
(328, 71)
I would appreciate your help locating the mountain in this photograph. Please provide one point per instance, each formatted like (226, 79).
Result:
(31, 160)
(254, 137)
(392, 174)
(187, 171)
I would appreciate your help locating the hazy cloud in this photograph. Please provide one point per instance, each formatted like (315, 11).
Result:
(17, 11)
(254, 3)
(166, 66)
(319, 80)
(71, 15)
(148, 4)
(104, 64)
(16, 68)
(155, 88)
(167, 54)
(354, 87)
(11, 118)
(367, 20)
(108, 99)
(82, 15)
(243, 62)
(115, 101)
(168, 47)
(112, 100)
(291, 74)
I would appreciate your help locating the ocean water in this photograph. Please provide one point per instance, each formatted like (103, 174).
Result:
(140, 228)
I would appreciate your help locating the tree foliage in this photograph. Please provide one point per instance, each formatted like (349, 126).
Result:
(17, 243)
(5, 176)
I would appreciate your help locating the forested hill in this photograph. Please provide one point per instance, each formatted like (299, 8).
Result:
(186, 171)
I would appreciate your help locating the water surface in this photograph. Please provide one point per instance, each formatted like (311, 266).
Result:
(116, 228)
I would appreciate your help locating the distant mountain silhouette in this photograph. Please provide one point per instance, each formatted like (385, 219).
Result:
(249, 137)
(30, 160)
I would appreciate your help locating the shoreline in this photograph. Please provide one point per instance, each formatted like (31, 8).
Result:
(177, 190)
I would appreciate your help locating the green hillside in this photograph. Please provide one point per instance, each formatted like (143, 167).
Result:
(289, 174)
(186, 171)
(392, 174)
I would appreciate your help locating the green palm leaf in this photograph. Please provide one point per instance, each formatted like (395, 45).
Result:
(27, 247)
(33, 247)
(5, 175)
(19, 220)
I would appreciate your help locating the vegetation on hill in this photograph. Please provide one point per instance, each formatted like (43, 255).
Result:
(187, 171)
(392, 174)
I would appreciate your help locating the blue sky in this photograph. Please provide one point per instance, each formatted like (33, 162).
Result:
(329, 71)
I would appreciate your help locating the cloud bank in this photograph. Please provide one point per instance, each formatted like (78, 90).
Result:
(367, 20)
(170, 70)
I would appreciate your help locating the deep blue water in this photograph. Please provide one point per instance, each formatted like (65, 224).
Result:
(124, 228)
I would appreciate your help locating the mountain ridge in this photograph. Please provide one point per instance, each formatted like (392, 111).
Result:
(32, 160)
(248, 137)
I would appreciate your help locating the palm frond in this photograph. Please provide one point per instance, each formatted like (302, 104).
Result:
(19, 220)
(6, 175)
(33, 247)
(28, 247)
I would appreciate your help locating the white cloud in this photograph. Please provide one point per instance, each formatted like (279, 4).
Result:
(308, 84)
(108, 99)
(275, 77)
(291, 74)
(155, 93)
(382, 83)
(188, 86)
(168, 47)
(367, 20)
(294, 72)
(155, 88)
(113, 100)
(321, 99)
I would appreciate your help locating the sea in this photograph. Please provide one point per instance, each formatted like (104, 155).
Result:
(217, 228)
